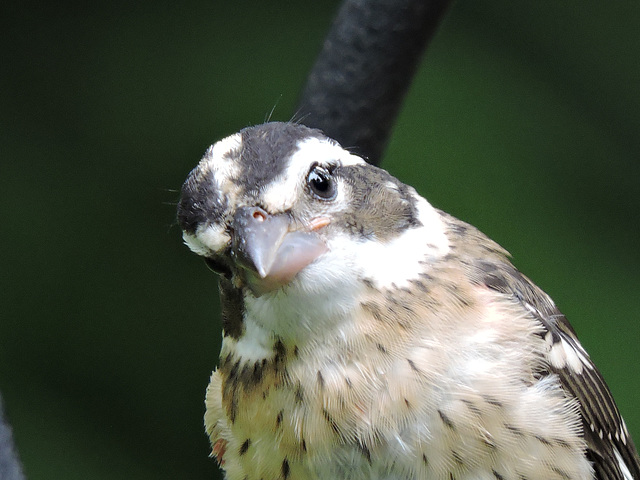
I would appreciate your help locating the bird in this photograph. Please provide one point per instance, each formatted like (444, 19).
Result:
(370, 335)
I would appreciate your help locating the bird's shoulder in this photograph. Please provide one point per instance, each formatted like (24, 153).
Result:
(609, 445)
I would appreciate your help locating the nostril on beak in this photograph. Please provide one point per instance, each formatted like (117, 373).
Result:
(257, 237)
(259, 215)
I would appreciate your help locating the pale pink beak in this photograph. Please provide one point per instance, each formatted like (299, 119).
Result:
(270, 251)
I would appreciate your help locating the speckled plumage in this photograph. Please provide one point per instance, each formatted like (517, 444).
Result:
(401, 345)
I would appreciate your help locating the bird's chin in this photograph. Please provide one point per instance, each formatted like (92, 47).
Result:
(297, 250)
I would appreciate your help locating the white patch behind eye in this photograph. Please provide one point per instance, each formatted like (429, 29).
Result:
(283, 192)
(397, 262)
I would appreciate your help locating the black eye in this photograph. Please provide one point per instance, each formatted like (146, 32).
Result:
(321, 183)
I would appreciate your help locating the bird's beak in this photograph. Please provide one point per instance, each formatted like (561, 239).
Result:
(270, 250)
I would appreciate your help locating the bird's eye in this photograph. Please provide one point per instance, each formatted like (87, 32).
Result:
(321, 183)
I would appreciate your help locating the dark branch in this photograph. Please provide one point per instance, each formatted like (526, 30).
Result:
(357, 85)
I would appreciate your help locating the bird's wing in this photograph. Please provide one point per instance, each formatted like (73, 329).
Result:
(609, 446)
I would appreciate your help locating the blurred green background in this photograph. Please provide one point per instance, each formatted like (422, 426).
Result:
(523, 120)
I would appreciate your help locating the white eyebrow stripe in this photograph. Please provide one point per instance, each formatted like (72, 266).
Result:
(282, 193)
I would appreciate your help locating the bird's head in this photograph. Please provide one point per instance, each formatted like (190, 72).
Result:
(280, 204)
